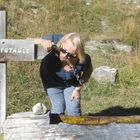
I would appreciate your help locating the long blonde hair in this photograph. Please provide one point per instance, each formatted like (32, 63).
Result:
(78, 42)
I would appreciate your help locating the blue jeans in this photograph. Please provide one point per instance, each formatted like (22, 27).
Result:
(61, 99)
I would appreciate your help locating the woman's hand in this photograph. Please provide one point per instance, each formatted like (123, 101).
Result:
(47, 44)
(76, 95)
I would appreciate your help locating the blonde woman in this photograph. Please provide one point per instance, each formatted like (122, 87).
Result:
(64, 71)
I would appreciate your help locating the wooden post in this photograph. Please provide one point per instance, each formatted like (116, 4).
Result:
(3, 101)
(13, 50)
(2, 24)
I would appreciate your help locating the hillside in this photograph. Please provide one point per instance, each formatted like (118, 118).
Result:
(100, 20)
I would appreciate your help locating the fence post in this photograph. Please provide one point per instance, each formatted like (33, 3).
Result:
(2, 93)
(2, 24)
(3, 71)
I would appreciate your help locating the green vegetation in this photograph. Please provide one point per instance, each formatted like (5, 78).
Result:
(1, 137)
(88, 120)
(106, 19)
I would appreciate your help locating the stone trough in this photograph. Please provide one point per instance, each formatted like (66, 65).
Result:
(27, 126)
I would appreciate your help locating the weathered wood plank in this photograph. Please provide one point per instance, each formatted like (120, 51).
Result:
(17, 50)
(2, 93)
(2, 24)
(39, 52)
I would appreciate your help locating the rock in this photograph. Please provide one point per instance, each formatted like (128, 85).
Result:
(27, 126)
(131, 1)
(105, 74)
(123, 47)
(93, 44)
(24, 126)
(105, 45)
(88, 2)
(39, 109)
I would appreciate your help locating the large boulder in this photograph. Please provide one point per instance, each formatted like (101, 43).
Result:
(27, 126)
(105, 74)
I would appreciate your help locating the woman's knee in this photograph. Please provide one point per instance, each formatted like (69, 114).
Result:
(57, 100)
(73, 108)
(57, 109)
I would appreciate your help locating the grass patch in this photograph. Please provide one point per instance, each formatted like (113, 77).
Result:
(1, 136)
(100, 20)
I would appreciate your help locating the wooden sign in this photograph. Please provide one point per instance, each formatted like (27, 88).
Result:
(13, 50)
(17, 50)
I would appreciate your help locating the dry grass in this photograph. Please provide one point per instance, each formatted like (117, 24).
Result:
(1, 136)
(35, 18)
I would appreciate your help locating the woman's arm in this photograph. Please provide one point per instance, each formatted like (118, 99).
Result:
(47, 44)
(86, 75)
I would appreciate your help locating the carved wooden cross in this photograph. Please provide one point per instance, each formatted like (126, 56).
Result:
(13, 50)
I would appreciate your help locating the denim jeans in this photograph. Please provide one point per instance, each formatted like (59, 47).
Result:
(61, 99)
